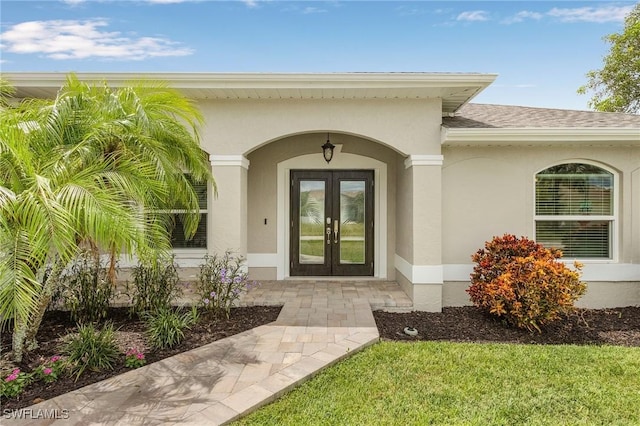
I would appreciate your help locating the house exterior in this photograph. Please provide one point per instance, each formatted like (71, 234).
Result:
(420, 178)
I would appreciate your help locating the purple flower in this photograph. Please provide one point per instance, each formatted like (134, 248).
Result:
(206, 301)
(213, 294)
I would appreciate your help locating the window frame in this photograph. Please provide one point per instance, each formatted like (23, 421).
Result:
(189, 251)
(613, 218)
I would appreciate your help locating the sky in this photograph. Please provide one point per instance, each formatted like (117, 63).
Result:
(541, 50)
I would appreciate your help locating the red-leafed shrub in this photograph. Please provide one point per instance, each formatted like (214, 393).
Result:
(523, 282)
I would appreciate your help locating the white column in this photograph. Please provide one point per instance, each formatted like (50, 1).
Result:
(228, 211)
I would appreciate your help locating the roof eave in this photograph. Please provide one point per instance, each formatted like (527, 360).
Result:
(456, 89)
(540, 136)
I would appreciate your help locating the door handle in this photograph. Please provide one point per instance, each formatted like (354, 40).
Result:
(335, 231)
(328, 230)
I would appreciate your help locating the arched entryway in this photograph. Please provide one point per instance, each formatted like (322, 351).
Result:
(272, 253)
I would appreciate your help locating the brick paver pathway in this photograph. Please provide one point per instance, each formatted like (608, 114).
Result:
(321, 322)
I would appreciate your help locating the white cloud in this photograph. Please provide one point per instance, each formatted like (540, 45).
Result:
(476, 15)
(73, 2)
(591, 14)
(521, 16)
(250, 3)
(67, 39)
(409, 11)
(310, 9)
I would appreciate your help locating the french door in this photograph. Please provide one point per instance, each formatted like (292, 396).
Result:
(331, 223)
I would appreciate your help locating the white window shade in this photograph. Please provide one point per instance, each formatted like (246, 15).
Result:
(575, 210)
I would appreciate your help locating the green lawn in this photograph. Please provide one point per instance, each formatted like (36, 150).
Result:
(423, 383)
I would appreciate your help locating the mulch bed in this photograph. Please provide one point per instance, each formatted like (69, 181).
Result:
(620, 326)
(131, 331)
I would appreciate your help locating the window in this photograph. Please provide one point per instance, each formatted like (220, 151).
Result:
(575, 210)
(199, 240)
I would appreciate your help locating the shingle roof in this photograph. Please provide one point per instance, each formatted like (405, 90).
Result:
(507, 116)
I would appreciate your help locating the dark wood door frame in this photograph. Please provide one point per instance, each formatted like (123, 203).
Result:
(328, 261)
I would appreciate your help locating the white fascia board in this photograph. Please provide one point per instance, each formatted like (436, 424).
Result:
(539, 136)
(264, 80)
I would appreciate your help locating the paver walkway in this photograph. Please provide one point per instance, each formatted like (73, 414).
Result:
(321, 322)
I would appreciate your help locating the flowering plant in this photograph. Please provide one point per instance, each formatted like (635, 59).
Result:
(134, 358)
(14, 383)
(221, 282)
(49, 370)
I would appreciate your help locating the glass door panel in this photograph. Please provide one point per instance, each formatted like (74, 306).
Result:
(331, 223)
(352, 222)
(312, 230)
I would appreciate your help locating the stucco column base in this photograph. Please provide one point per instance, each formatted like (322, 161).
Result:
(427, 297)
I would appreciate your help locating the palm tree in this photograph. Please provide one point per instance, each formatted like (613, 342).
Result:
(95, 167)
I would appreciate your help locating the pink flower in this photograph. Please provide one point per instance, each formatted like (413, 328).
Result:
(55, 358)
(140, 355)
(14, 375)
(47, 371)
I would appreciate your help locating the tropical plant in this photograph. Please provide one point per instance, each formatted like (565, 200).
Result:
(92, 349)
(524, 283)
(96, 167)
(155, 284)
(165, 327)
(84, 288)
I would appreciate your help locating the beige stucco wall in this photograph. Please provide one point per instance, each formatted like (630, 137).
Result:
(241, 126)
(489, 191)
(267, 132)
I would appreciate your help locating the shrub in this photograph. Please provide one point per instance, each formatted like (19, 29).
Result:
(13, 385)
(221, 282)
(523, 282)
(155, 284)
(84, 289)
(165, 327)
(92, 349)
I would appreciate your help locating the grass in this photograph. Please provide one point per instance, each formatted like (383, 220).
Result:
(445, 383)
